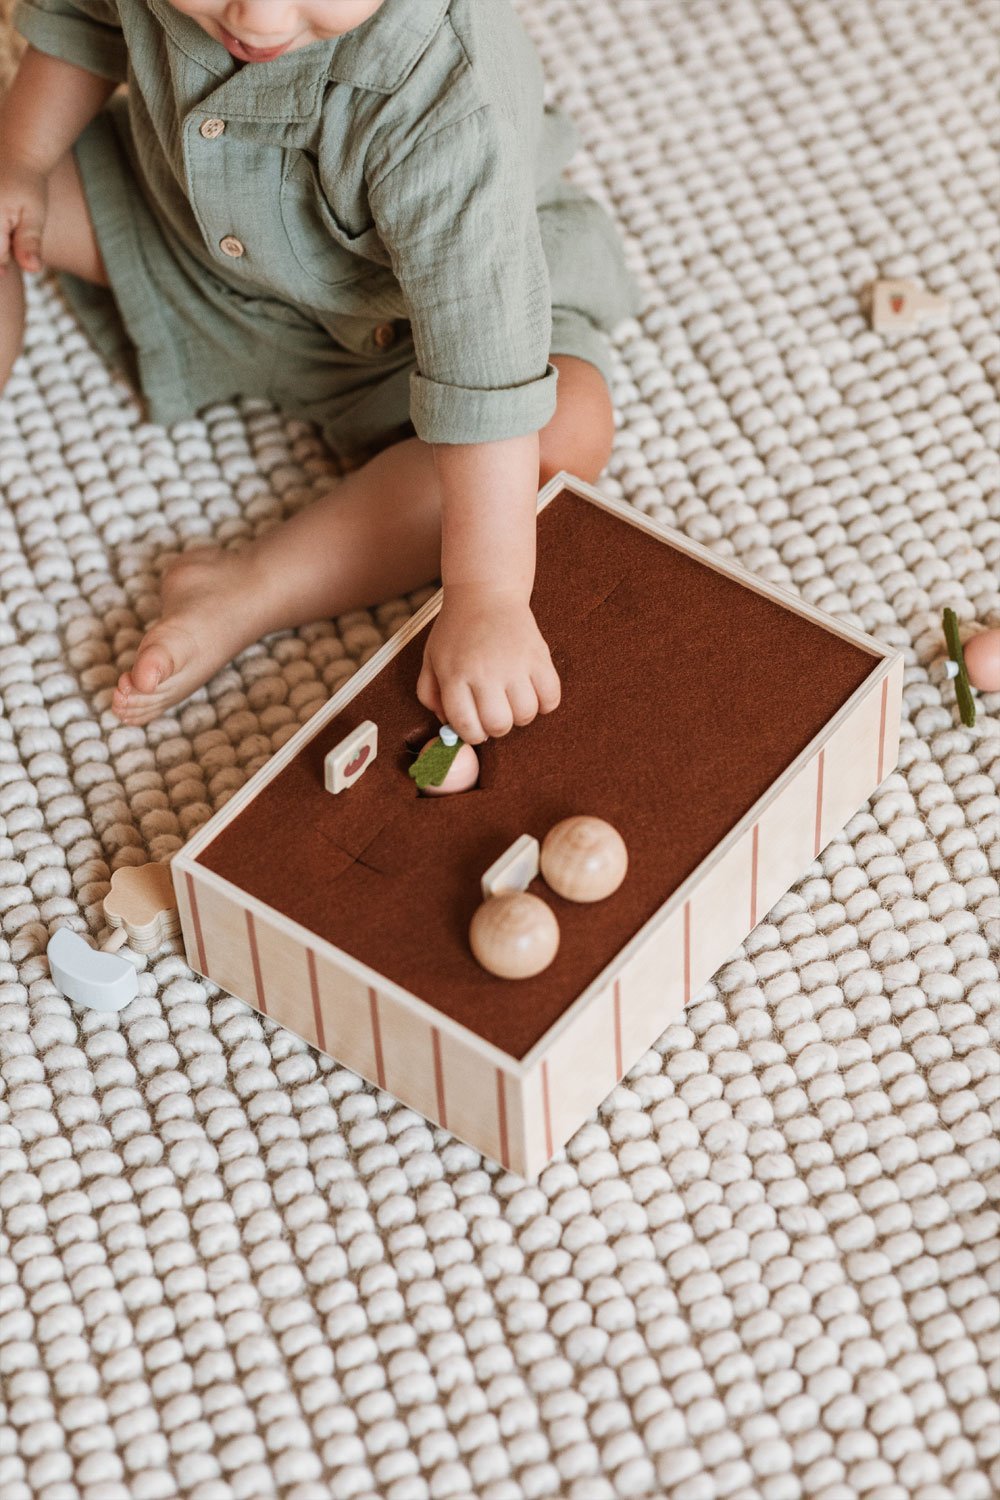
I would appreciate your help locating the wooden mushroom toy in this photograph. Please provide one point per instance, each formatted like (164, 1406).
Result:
(974, 665)
(445, 764)
(514, 935)
(584, 859)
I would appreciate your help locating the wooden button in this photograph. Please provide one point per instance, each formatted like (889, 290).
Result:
(384, 336)
(230, 245)
(211, 128)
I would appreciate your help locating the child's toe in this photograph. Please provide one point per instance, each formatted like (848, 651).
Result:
(152, 665)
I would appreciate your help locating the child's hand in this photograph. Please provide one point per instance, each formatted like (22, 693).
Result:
(24, 204)
(486, 666)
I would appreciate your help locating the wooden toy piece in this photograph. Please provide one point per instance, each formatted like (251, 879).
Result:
(141, 906)
(514, 935)
(956, 668)
(142, 911)
(101, 981)
(514, 870)
(445, 764)
(584, 859)
(904, 305)
(347, 762)
(982, 660)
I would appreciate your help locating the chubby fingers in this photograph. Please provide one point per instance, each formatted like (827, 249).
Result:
(496, 714)
(26, 242)
(462, 713)
(429, 691)
(522, 697)
(20, 237)
(481, 711)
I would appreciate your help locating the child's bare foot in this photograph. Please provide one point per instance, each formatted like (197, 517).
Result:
(213, 607)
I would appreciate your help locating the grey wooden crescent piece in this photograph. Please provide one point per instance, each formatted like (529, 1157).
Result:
(101, 981)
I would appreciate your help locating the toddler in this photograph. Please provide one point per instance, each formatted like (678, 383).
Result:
(356, 209)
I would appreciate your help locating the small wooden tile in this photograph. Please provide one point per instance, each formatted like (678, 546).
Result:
(142, 902)
(349, 760)
(515, 869)
(904, 305)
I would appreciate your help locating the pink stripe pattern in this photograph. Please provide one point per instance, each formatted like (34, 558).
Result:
(196, 919)
(687, 952)
(753, 874)
(502, 1120)
(439, 1077)
(317, 1008)
(546, 1104)
(376, 1038)
(881, 731)
(819, 804)
(255, 958)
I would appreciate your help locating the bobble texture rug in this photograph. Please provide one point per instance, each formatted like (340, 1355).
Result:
(769, 1266)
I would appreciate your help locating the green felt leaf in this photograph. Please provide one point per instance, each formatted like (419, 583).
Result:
(433, 763)
(963, 688)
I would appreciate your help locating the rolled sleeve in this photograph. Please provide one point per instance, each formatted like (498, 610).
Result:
(471, 414)
(84, 32)
(458, 220)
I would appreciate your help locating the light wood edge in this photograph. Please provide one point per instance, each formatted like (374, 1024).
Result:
(387, 989)
(362, 677)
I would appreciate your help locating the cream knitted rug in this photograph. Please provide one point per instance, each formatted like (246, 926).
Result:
(769, 1266)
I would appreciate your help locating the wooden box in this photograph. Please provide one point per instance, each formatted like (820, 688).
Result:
(726, 728)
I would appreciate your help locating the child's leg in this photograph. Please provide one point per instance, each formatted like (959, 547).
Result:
(373, 537)
(68, 244)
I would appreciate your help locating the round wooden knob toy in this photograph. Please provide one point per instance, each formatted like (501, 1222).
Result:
(514, 935)
(584, 859)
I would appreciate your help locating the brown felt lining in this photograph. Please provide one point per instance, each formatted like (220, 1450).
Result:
(685, 694)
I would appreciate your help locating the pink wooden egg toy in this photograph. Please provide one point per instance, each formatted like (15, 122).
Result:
(982, 660)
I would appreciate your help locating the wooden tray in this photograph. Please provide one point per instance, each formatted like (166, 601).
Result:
(726, 728)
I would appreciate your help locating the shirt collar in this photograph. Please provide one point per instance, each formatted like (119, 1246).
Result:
(376, 55)
(380, 52)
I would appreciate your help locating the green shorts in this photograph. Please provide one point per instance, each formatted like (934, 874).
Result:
(185, 339)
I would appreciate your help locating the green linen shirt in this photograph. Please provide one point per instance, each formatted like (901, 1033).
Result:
(397, 169)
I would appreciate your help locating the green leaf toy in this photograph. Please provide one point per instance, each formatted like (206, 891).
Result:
(956, 669)
(435, 760)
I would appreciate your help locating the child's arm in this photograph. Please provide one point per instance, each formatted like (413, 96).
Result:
(456, 212)
(486, 666)
(48, 105)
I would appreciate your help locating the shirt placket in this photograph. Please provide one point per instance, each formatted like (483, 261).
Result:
(207, 136)
(232, 172)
